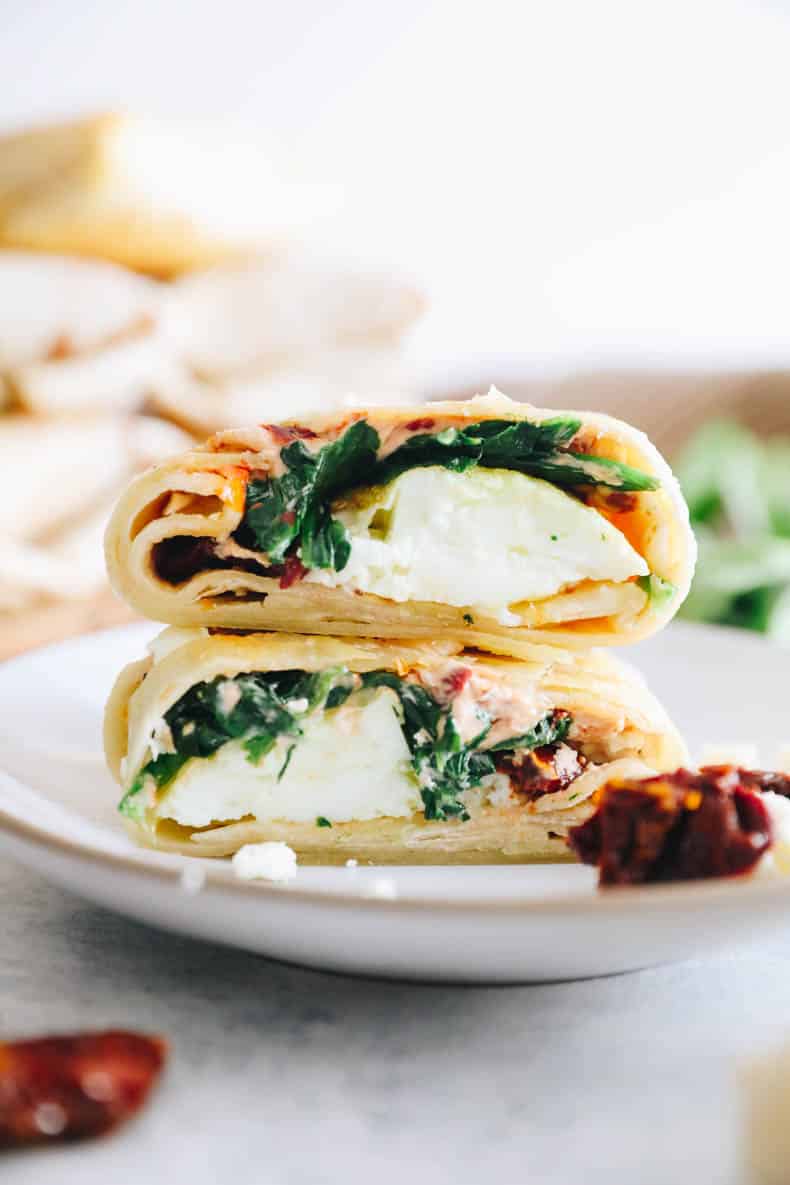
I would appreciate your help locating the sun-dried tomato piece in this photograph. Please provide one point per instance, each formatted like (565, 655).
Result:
(75, 1087)
(293, 570)
(752, 779)
(181, 557)
(283, 433)
(621, 501)
(680, 826)
(540, 771)
(454, 682)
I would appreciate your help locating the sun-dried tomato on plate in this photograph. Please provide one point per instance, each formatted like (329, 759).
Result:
(679, 826)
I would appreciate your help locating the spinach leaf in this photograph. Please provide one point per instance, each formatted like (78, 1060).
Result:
(340, 691)
(295, 507)
(535, 449)
(576, 469)
(552, 729)
(448, 769)
(162, 769)
(444, 765)
(659, 591)
(295, 510)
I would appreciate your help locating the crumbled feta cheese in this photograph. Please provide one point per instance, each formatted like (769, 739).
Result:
(228, 695)
(425, 778)
(498, 787)
(734, 753)
(472, 801)
(271, 861)
(566, 761)
(298, 705)
(161, 740)
(422, 737)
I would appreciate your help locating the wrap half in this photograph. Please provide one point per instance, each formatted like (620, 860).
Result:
(377, 751)
(488, 522)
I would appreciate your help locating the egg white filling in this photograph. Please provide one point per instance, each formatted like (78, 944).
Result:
(352, 763)
(487, 537)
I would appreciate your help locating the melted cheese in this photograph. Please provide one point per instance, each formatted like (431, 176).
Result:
(352, 763)
(487, 538)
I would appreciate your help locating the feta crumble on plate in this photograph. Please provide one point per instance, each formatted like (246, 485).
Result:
(271, 861)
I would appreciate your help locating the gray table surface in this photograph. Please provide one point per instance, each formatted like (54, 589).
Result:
(282, 1076)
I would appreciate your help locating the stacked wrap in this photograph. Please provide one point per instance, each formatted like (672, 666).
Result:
(384, 631)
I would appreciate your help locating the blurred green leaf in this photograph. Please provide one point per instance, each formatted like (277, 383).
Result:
(776, 484)
(698, 470)
(766, 610)
(738, 490)
(721, 472)
(778, 621)
(737, 566)
(752, 610)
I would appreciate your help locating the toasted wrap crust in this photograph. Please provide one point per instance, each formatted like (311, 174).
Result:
(212, 482)
(612, 708)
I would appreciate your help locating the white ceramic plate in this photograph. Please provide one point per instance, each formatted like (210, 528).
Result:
(508, 924)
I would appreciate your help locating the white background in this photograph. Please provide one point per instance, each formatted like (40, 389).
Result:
(571, 180)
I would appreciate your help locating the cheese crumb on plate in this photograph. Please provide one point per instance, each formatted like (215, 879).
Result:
(272, 861)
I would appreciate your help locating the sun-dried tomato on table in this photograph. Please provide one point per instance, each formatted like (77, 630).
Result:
(74, 1087)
